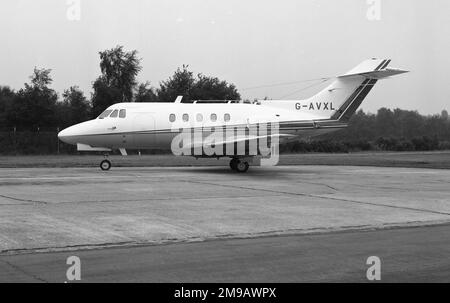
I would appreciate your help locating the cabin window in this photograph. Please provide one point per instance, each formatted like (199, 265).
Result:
(185, 117)
(172, 118)
(122, 113)
(199, 117)
(213, 117)
(105, 114)
(114, 114)
(227, 117)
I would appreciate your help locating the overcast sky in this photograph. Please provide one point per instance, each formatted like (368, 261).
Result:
(248, 43)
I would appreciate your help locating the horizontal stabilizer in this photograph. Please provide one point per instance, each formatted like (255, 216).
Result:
(378, 74)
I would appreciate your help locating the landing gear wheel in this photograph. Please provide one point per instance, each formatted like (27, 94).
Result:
(242, 167)
(233, 163)
(105, 165)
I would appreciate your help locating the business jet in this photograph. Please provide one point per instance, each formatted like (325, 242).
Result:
(140, 126)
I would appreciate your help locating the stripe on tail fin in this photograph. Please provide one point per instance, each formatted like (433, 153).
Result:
(341, 99)
(346, 111)
(348, 91)
(349, 107)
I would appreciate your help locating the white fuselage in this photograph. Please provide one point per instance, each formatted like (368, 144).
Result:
(151, 125)
(157, 125)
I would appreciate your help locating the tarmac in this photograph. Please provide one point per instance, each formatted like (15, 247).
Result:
(48, 213)
(417, 254)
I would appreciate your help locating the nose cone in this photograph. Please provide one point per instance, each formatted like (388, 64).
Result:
(69, 135)
(77, 133)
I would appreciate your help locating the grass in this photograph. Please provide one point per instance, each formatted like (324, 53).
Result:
(437, 160)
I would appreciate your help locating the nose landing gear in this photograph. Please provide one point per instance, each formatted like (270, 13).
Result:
(105, 164)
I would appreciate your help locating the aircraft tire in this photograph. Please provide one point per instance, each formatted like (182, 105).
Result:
(105, 165)
(242, 167)
(233, 163)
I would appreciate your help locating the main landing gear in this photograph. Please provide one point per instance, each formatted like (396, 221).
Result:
(105, 164)
(241, 166)
(236, 164)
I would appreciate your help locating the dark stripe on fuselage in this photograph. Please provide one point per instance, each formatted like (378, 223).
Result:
(283, 126)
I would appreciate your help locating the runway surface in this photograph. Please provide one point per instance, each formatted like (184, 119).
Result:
(406, 255)
(275, 212)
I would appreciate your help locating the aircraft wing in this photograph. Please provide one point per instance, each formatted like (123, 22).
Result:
(240, 139)
(211, 140)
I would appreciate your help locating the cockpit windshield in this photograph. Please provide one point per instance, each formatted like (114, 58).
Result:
(105, 114)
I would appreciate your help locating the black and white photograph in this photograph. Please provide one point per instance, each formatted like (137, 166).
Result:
(224, 148)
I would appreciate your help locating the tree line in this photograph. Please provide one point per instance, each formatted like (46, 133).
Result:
(31, 116)
(37, 106)
(386, 130)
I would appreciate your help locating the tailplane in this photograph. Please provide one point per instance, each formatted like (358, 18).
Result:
(340, 100)
(349, 90)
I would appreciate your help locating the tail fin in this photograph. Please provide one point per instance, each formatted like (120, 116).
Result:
(349, 90)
